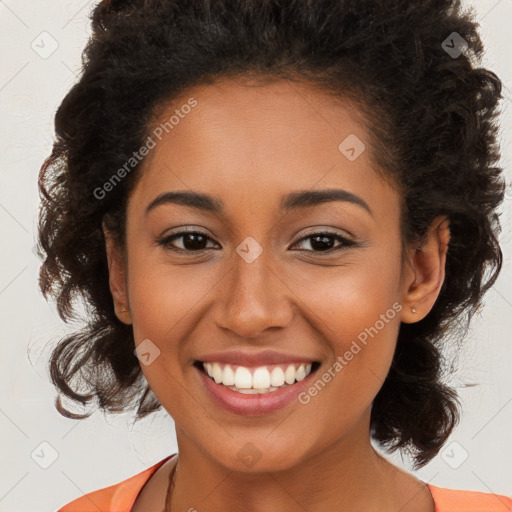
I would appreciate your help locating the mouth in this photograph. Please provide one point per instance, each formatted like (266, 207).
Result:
(256, 380)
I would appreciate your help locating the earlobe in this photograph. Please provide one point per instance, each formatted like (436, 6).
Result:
(117, 281)
(429, 262)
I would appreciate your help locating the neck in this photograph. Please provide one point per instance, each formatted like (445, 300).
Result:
(345, 475)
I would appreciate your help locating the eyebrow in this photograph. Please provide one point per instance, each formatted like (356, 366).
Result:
(293, 201)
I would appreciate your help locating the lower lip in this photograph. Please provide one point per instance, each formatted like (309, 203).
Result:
(253, 405)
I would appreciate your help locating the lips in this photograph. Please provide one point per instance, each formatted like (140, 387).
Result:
(254, 401)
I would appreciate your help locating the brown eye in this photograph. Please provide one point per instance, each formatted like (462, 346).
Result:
(192, 241)
(323, 242)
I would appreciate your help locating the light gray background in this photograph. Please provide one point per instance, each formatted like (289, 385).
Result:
(101, 451)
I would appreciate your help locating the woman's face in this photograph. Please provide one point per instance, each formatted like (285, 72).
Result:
(260, 277)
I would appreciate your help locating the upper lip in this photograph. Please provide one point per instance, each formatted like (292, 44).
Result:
(243, 358)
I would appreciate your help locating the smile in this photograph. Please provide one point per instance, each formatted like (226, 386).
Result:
(263, 379)
(254, 390)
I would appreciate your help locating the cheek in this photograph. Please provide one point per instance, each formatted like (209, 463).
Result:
(164, 304)
(356, 310)
(349, 298)
(162, 299)
(361, 333)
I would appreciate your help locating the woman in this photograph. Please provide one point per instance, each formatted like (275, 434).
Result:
(275, 211)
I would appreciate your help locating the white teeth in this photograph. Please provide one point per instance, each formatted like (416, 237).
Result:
(217, 373)
(277, 377)
(300, 373)
(243, 378)
(249, 391)
(289, 374)
(259, 380)
(253, 391)
(228, 376)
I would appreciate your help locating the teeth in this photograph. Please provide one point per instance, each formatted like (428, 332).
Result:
(261, 378)
(300, 373)
(243, 378)
(277, 377)
(258, 380)
(217, 373)
(289, 375)
(228, 377)
(253, 391)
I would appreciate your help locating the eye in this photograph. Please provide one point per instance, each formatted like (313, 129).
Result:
(323, 242)
(192, 241)
(196, 241)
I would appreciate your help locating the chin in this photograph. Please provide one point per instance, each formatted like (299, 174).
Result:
(258, 457)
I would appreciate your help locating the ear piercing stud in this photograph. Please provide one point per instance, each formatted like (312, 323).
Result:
(124, 310)
(413, 310)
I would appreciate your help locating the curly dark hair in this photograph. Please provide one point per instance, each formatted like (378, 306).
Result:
(432, 117)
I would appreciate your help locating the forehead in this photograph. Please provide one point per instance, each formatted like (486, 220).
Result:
(243, 139)
(264, 116)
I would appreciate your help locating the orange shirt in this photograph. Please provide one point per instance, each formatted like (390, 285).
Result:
(121, 497)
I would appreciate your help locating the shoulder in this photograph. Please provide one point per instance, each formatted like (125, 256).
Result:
(119, 497)
(453, 500)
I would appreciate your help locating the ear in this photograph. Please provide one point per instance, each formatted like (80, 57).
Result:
(117, 277)
(424, 282)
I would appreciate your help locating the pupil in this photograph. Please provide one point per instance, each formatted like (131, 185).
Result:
(322, 245)
(196, 244)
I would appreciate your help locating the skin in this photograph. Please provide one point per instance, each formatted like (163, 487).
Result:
(249, 146)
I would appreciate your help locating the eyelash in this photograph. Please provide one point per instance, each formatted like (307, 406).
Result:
(345, 242)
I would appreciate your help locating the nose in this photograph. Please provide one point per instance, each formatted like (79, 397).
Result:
(253, 299)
